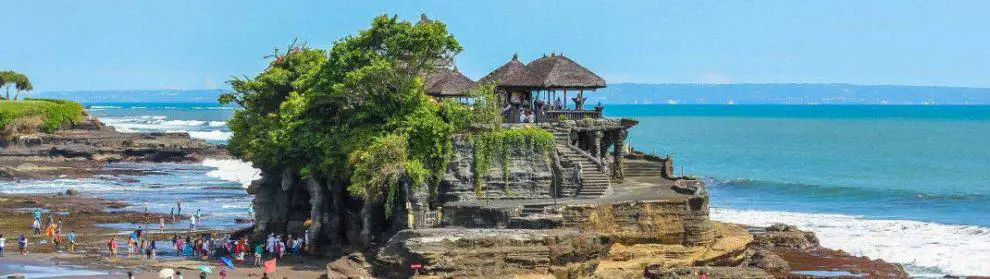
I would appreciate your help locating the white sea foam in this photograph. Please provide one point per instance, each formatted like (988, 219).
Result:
(925, 248)
(199, 129)
(233, 170)
(215, 135)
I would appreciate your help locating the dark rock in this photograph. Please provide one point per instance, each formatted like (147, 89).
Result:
(71, 192)
(786, 236)
(768, 261)
(715, 273)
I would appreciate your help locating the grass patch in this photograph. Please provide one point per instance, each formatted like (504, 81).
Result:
(45, 115)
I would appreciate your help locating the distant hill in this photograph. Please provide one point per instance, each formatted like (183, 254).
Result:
(635, 93)
(638, 93)
(135, 96)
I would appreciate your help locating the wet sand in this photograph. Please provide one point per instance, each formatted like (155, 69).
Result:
(90, 258)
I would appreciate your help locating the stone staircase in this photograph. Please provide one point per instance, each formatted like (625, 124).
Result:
(594, 183)
(641, 168)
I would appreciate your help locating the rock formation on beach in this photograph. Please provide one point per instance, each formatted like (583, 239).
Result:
(83, 149)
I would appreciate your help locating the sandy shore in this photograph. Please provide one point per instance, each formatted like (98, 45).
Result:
(83, 215)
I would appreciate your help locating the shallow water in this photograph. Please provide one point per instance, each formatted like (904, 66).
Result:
(220, 201)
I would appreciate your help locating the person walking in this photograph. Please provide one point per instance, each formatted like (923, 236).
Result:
(3, 244)
(72, 241)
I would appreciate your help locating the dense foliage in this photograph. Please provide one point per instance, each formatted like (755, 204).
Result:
(41, 114)
(355, 115)
(358, 115)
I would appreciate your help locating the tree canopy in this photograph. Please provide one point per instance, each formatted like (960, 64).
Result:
(19, 81)
(356, 114)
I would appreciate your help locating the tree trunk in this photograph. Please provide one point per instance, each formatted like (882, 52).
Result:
(17, 95)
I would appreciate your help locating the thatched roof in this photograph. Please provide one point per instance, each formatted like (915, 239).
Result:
(510, 68)
(554, 71)
(447, 83)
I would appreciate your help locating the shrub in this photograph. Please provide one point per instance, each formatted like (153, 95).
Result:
(53, 114)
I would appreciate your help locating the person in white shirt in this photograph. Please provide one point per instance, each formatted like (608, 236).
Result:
(3, 244)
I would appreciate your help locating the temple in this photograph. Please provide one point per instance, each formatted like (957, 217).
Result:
(536, 94)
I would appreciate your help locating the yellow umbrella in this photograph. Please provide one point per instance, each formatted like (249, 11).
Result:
(309, 222)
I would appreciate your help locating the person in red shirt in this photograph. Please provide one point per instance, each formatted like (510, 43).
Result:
(112, 245)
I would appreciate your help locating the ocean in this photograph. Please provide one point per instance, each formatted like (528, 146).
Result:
(907, 184)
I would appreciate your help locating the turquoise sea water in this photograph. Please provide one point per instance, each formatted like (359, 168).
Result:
(927, 163)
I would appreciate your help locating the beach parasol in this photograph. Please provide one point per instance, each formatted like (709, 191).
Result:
(166, 273)
(227, 261)
(206, 269)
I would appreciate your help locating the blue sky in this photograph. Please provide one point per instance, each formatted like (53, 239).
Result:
(95, 45)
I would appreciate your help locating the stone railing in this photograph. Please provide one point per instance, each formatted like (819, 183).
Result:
(586, 155)
(557, 115)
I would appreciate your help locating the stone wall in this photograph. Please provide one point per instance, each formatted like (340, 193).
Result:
(530, 175)
(658, 221)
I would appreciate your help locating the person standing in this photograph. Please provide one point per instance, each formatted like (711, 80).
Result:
(178, 205)
(3, 244)
(152, 250)
(36, 226)
(223, 272)
(192, 222)
(22, 244)
(112, 245)
(72, 241)
(259, 251)
(161, 224)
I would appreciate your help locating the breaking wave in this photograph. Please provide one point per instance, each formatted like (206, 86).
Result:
(233, 170)
(925, 248)
(215, 131)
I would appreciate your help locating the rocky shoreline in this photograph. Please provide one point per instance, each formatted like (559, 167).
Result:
(84, 149)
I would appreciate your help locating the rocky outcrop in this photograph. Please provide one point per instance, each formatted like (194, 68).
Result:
(530, 175)
(710, 272)
(492, 253)
(786, 236)
(86, 147)
(780, 248)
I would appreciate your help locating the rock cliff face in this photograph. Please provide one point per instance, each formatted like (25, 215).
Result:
(83, 149)
(530, 175)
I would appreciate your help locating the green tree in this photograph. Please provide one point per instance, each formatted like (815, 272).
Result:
(355, 116)
(18, 81)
